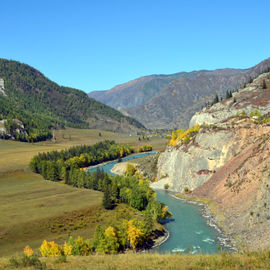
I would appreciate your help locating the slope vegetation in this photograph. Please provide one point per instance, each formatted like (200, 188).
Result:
(42, 104)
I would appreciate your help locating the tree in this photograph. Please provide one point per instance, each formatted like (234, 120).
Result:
(216, 99)
(109, 244)
(264, 86)
(135, 235)
(131, 170)
(107, 200)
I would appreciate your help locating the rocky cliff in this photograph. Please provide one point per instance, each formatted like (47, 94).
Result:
(228, 162)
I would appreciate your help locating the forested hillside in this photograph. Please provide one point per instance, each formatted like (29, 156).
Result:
(41, 104)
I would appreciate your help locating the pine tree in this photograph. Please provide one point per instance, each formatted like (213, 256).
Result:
(107, 200)
(264, 86)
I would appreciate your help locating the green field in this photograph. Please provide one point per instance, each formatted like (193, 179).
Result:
(33, 209)
(17, 155)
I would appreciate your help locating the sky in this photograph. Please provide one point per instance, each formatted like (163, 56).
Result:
(97, 44)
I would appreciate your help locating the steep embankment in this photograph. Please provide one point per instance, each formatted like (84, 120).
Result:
(228, 162)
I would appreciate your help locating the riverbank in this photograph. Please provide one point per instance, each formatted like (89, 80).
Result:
(162, 236)
(213, 218)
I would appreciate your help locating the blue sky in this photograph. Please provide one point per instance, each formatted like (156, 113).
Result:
(96, 44)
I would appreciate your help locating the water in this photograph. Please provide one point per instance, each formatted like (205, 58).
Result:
(189, 232)
(108, 166)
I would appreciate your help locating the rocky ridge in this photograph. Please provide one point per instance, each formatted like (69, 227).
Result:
(228, 162)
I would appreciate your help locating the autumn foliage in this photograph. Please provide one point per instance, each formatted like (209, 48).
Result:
(183, 136)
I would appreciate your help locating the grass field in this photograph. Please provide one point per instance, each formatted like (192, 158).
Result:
(247, 261)
(17, 155)
(33, 209)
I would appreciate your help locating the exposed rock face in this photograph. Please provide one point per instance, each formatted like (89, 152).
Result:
(2, 87)
(252, 97)
(228, 162)
(189, 166)
(241, 189)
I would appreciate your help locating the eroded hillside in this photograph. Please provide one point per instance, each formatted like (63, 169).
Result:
(227, 161)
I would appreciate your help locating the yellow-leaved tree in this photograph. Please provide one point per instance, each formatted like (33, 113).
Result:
(28, 251)
(135, 235)
(50, 249)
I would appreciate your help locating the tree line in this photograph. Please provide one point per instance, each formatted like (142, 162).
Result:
(132, 190)
(66, 164)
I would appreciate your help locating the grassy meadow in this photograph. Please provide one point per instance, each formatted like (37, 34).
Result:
(246, 261)
(33, 209)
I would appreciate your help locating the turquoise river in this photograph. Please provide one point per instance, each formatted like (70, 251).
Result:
(188, 228)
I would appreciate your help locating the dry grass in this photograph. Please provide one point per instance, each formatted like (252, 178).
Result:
(248, 261)
(30, 208)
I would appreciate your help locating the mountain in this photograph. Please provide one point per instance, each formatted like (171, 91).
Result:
(169, 101)
(226, 160)
(27, 95)
(134, 93)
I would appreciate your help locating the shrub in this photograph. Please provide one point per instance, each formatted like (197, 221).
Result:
(61, 259)
(50, 249)
(77, 247)
(186, 189)
(26, 261)
(166, 186)
(180, 135)
(145, 148)
(28, 251)
(131, 170)
(255, 113)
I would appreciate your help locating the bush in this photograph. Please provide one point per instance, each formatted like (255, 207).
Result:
(180, 135)
(26, 261)
(28, 251)
(166, 186)
(61, 259)
(131, 170)
(255, 113)
(145, 148)
(50, 249)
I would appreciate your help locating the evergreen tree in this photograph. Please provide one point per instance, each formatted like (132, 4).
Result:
(107, 200)
(264, 86)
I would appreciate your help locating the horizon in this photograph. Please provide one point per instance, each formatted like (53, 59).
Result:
(96, 46)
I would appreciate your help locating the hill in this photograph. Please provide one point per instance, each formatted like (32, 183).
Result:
(40, 104)
(226, 161)
(169, 101)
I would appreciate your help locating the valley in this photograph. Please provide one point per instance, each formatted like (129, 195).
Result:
(211, 162)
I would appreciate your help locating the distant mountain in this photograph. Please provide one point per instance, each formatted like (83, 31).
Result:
(35, 100)
(134, 93)
(169, 101)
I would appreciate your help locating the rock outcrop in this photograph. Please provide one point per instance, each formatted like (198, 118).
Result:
(245, 101)
(228, 162)
(189, 166)
(2, 87)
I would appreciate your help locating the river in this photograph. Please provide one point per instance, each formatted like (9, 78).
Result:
(188, 228)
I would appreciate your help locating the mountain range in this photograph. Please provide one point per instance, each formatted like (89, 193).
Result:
(169, 101)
